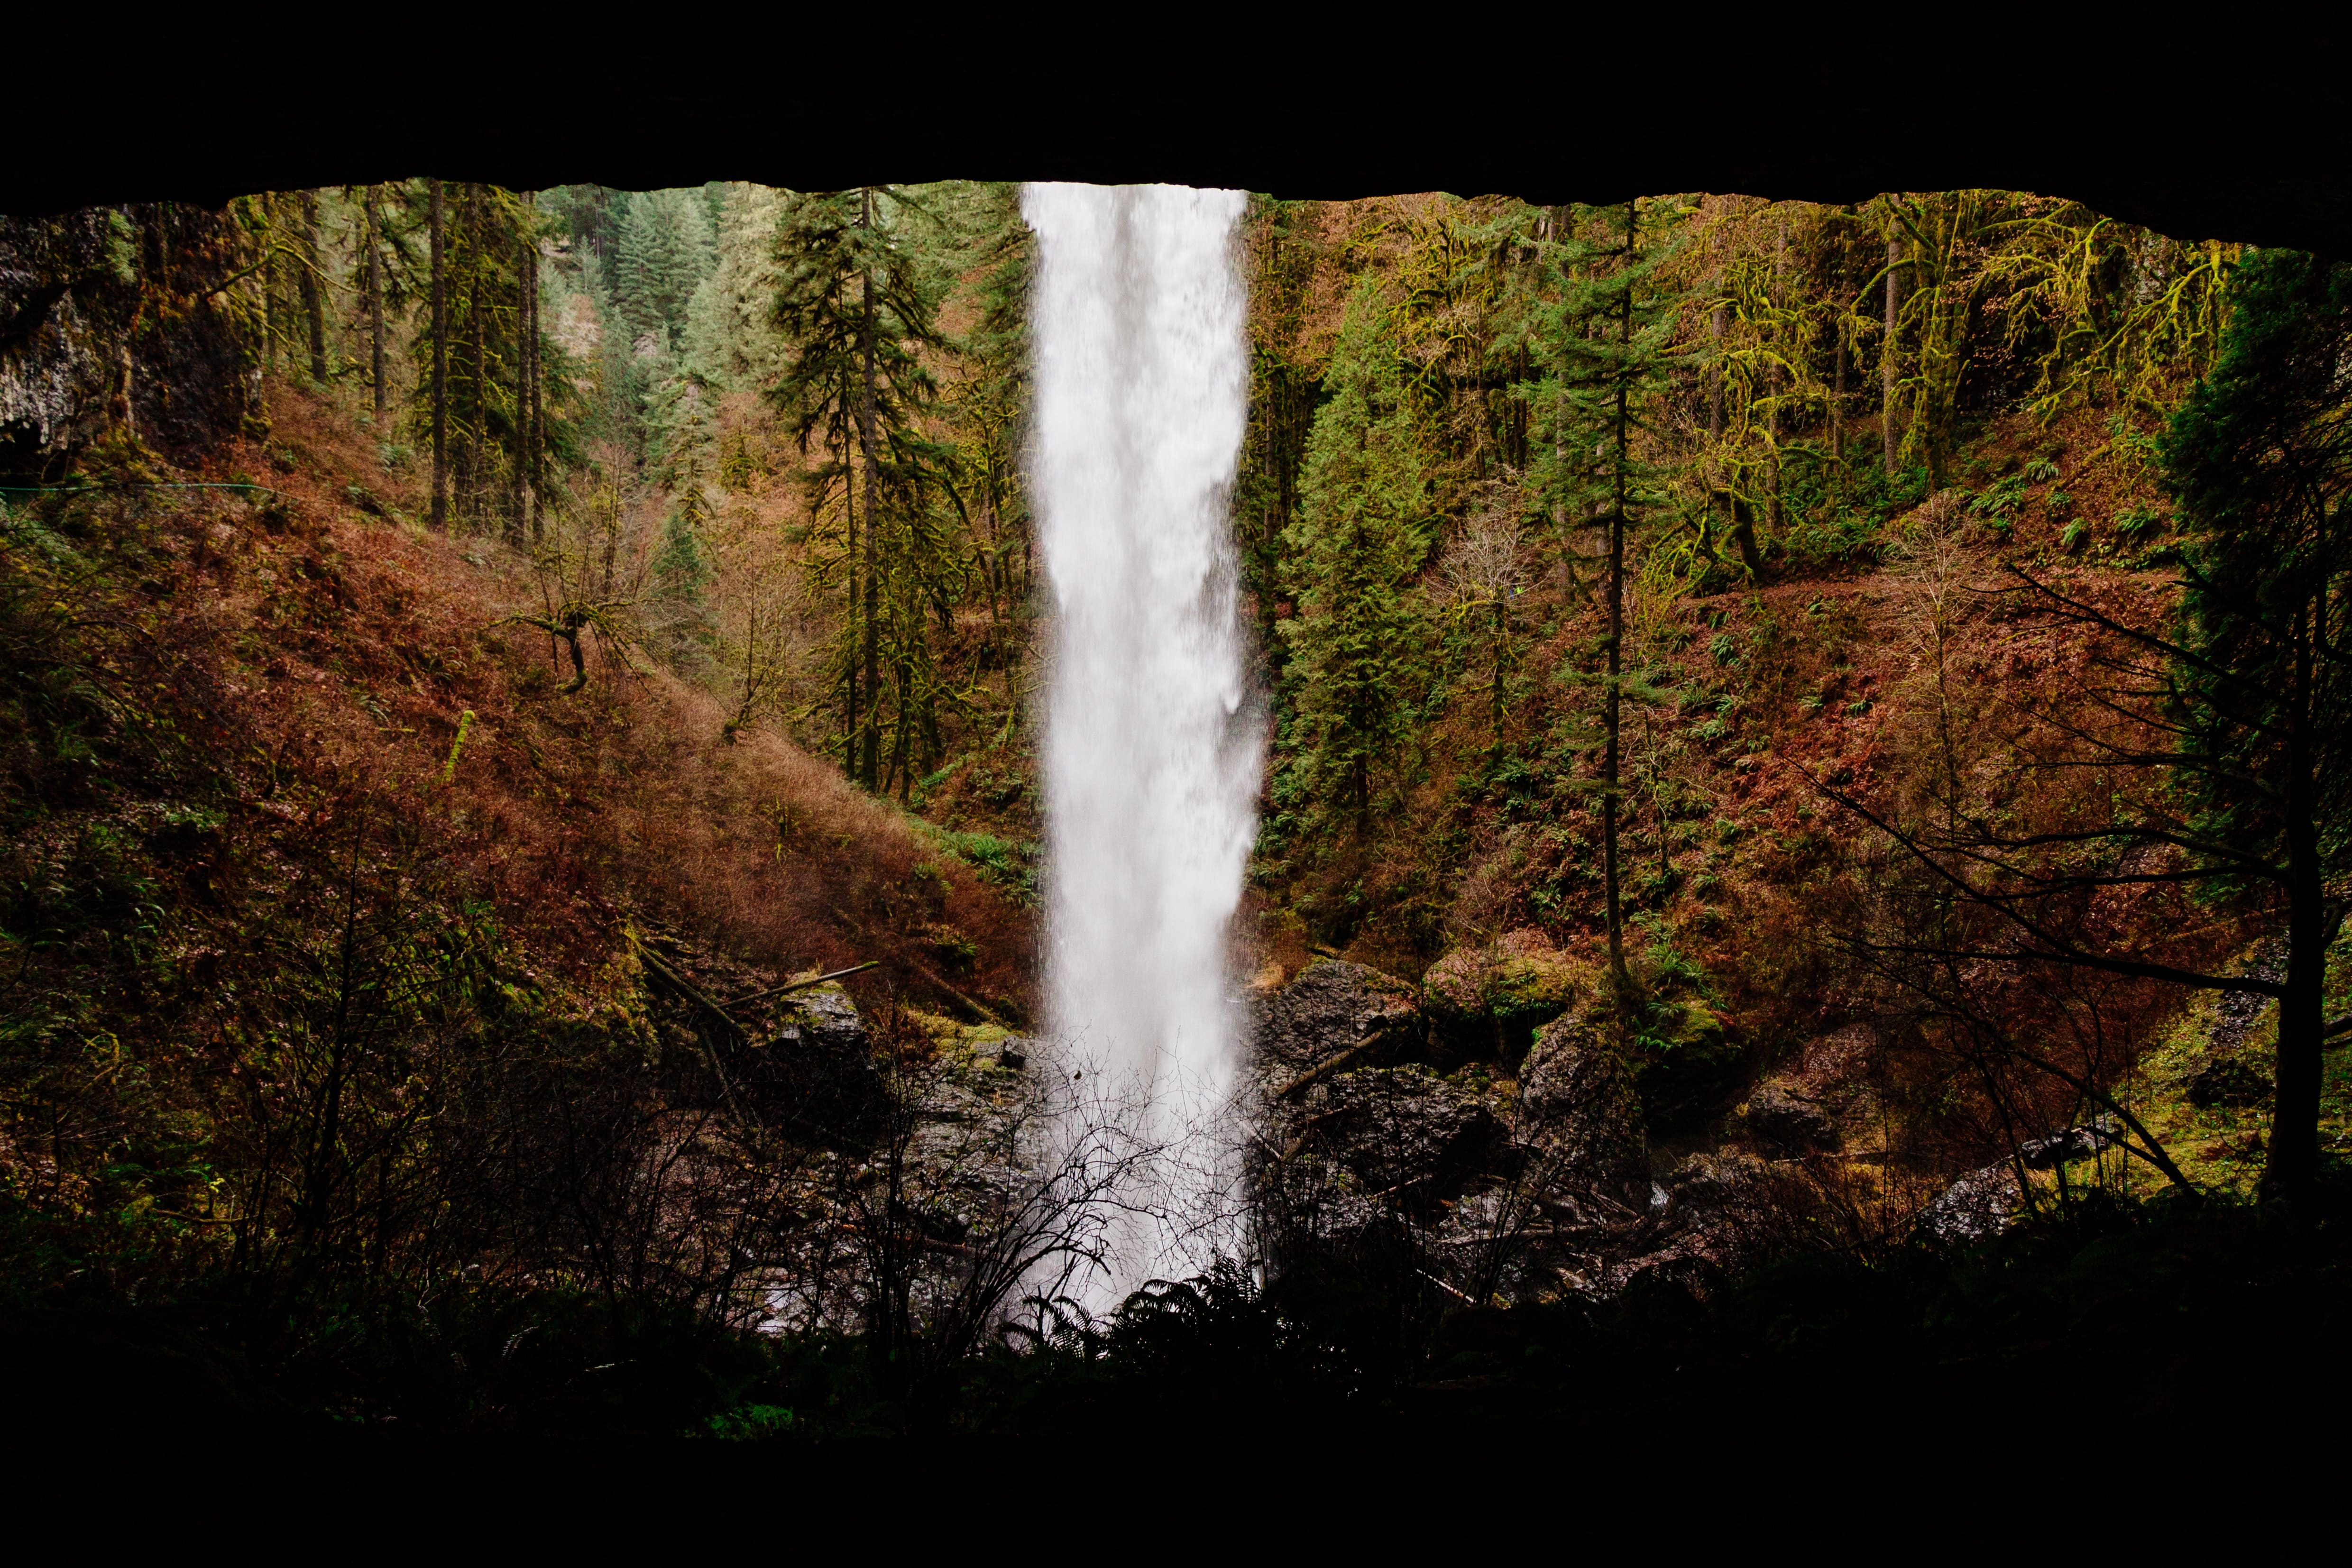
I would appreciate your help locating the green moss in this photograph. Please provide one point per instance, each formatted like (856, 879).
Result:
(1688, 1064)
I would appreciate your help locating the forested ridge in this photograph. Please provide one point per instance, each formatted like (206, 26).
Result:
(1848, 697)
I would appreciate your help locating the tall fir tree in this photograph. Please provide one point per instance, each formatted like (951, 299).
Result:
(855, 309)
(666, 250)
(2259, 457)
(1616, 356)
(1357, 641)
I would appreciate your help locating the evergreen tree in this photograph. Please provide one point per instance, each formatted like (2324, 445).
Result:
(2261, 459)
(476, 382)
(1357, 641)
(1615, 355)
(664, 252)
(730, 339)
(989, 405)
(856, 307)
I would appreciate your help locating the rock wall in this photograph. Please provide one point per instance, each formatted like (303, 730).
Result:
(129, 320)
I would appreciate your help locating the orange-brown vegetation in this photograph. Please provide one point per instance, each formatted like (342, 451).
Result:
(353, 646)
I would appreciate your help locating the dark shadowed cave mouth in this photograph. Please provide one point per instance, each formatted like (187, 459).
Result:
(484, 1015)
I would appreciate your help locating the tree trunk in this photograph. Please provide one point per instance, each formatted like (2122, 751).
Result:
(1886, 358)
(536, 458)
(269, 283)
(375, 303)
(2293, 1164)
(524, 273)
(313, 308)
(872, 535)
(1715, 388)
(1779, 379)
(850, 731)
(478, 429)
(440, 358)
(1837, 400)
(1614, 697)
(1743, 534)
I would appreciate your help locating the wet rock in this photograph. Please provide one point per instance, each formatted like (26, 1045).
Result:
(822, 1019)
(1715, 1182)
(1333, 1007)
(1786, 1122)
(814, 1066)
(1403, 1128)
(1980, 1204)
(1577, 1104)
(2238, 1014)
(2074, 1143)
(118, 317)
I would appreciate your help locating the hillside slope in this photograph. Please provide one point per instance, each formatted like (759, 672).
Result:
(316, 867)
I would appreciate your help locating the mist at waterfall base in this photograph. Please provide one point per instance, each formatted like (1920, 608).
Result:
(1153, 748)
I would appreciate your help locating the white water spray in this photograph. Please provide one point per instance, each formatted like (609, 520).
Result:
(1153, 754)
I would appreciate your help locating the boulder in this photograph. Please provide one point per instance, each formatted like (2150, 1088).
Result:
(1578, 1106)
(1335, 1007)
(1488, 1002)
(2073, 1143)
(1980, 1204)
(814, 1065)
(822, 1019)
(1716, 1182)
(1786, 1122)
(1404, 1126)
(1689, 1067)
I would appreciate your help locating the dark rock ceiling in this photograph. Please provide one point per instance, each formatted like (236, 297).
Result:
(2236, 127)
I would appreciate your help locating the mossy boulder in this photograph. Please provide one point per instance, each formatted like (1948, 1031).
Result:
(1489, 1002)
(1690, 1067)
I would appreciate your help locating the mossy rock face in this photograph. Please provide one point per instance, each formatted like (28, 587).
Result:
(1488, 1002)
(1690, 1066)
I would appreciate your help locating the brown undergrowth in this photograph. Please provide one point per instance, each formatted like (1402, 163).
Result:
(342, 944)
(1864, 678)
(570, 809)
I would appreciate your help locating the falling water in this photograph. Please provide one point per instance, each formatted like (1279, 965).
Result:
(1153, 754)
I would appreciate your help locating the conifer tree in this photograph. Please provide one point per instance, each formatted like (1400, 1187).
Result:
(731, 340)
(478, 356)
(990, 405)
(439, 328)
(855, 307)
(1356, 643)
(1615, 356)
(371, 274)
(309, 271)
(665, 253)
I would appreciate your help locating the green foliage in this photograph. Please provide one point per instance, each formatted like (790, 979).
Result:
(1009, 867)
(858, 307)
(2260, 460)
(682, 566)
(1614, 354)
(666, 250)
(1358, 644)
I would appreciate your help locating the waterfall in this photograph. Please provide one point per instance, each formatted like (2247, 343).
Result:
(1153, 748)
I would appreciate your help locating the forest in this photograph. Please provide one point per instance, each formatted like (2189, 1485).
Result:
(1803, 831)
